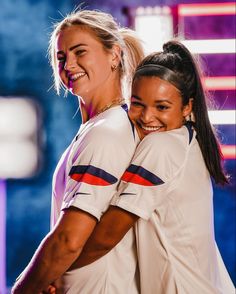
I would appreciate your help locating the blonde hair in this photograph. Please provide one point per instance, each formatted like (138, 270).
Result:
(109, 34)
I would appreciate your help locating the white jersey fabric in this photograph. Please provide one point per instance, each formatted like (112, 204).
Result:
(87, 177)
(169, 187)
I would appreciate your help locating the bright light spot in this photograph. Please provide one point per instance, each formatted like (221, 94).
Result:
(19, 156)
(17, 117)
(210, 46)
(220, 83)
(154, 30)
(222, 117)
(229, 151)
(18, 159)
(206, 9)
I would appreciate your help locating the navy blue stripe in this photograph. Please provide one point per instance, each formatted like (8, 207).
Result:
(92, 170)
(125, 107)
(145, 174)
(189, 127)
(80, 193)
(132, 126)
(121, 194)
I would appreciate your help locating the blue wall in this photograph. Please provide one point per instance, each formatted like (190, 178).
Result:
(24, 32)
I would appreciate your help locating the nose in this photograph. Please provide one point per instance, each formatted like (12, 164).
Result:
(147, 115)
(70, 64)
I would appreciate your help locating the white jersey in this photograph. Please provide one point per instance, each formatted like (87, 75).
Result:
(169, 187)
(87, 177)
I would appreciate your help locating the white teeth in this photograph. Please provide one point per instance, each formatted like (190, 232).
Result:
(150, 128)
(77, 76)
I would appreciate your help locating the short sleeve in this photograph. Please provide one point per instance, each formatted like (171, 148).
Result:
(96, 164)
(150, 177)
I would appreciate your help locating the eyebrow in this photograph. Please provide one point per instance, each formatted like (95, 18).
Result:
(72, 48)
(136, 97)
(156, 101)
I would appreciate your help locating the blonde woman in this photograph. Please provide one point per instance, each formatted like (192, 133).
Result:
(94, 59)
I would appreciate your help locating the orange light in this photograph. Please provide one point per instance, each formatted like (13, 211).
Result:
(207, 9)
(229, 151)
(220, 83)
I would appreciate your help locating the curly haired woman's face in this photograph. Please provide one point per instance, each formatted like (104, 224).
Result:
(156, 106)
(83, 64)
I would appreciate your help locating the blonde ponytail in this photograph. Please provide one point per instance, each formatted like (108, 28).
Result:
(133, 53)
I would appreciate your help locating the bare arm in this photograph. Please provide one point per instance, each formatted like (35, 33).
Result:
(114, 224)
(58, 250)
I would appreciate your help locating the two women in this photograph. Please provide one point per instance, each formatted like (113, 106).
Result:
(166, 189)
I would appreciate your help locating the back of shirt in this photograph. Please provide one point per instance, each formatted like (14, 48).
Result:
(172, 193)
(87, 178)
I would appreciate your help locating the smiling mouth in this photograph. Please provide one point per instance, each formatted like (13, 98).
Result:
(150, 128)
(76, 76)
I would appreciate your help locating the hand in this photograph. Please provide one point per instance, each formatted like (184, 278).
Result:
(51, 289)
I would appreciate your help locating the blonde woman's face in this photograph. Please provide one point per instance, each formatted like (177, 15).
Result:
(156, 106)
(83, 64)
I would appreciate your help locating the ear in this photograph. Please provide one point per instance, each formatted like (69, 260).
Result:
(116, 54)
(187, 109)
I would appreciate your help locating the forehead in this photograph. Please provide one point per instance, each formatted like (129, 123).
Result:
(76, 34)
(154, 87)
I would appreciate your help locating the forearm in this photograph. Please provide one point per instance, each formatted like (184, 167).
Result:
(57, 251)
(92, 251)
(114, 224)
(49, 262)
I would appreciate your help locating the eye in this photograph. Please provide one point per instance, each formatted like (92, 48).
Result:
(162, 107)
(136, 103)
(61, 59)
(80, 52)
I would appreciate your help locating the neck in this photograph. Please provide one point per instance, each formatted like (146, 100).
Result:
(92, 107)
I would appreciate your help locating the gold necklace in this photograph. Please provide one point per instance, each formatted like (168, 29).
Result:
(110, 105)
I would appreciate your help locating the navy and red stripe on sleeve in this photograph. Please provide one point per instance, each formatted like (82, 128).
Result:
(92, 175)
(138, 175)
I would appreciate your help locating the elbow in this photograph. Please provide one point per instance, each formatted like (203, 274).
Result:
(105, 243)
(71, 244)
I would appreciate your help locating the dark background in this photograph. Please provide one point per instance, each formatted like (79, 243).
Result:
(24, 33)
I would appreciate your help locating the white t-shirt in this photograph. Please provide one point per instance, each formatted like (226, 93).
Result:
(87, 177)
(169, 187)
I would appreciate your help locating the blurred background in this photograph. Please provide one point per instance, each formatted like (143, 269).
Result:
(36, 125)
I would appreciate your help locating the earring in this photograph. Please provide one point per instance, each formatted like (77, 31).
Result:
(113, 67)
(189, 117)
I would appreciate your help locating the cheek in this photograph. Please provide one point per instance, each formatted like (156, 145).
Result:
(176, 119)
(60, 67)
(134, 113)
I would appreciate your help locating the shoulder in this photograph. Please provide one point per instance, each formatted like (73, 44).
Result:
(112, 125)
(109, 132)
(170, 139)
(170, 144)
(163, 153)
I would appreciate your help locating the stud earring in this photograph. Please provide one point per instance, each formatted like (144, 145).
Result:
(113, 67)
(190, 117)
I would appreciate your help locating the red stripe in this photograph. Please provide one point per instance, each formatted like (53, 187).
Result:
(136, 179)
(90, 179)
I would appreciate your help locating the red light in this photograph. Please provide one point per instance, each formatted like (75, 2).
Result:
(207, 9)
(220, 83)
(229, 151)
